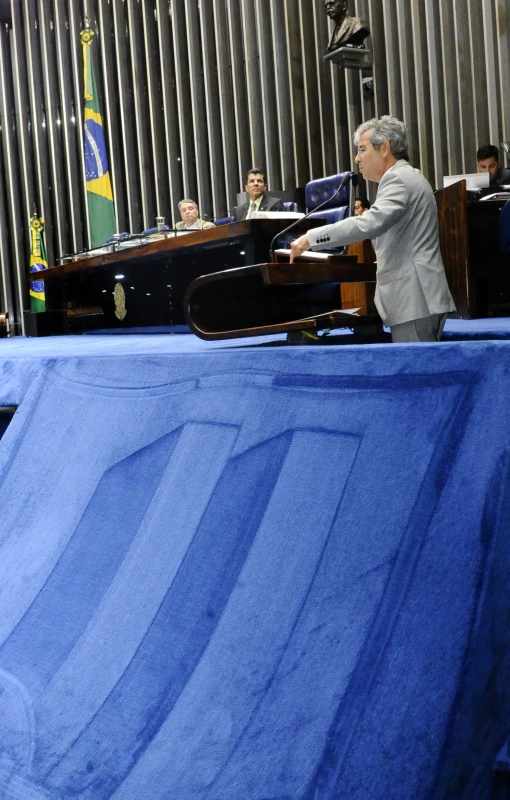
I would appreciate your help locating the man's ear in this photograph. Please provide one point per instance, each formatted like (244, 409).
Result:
(385, 149)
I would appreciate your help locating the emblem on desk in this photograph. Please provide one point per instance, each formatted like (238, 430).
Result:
(119, 297)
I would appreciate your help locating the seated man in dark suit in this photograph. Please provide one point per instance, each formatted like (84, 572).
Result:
(488, 161)
(259, 201)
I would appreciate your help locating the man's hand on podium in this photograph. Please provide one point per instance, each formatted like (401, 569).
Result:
(298, 246)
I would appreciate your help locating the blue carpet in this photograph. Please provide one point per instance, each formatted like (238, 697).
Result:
(233, 572)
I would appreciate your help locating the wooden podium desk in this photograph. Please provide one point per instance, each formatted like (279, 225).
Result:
(478, 274)
(144, 285)
(278, 297)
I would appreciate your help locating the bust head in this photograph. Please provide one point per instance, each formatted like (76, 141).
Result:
(336, 9)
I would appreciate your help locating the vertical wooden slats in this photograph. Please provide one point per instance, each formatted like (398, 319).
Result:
(111, 112)
(253, 85)
(451, 89)
(421, 78)
(137, 67)
(292, 33)
(60, 191)
(466, 134)
(407, 60)
(197, 129)
(13, 289)
(309, 67)
(173, 161)
(392, 36)
(503, 84)
(70, 127)
(326, 78)
(434, 105)
(490, 56)
(216, 205)
(183, 89)
(194, 92)
(156, 128)
(227, 117)
(378, 48)
(129, 146)
(268, 92)
(238, 63)
(480, 89)
(39, 122)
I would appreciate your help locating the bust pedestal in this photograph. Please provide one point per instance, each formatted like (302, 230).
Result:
(350, 58)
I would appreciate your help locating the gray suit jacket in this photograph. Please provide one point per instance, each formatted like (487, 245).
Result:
(202, 225)
(411, 281)
(268, 203)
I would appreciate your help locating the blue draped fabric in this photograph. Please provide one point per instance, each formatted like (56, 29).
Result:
(246, 573)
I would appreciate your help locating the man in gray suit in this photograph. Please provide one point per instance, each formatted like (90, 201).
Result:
(412, 294)
(256, 188)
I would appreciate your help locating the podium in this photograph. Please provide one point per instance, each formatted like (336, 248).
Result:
(279, 297)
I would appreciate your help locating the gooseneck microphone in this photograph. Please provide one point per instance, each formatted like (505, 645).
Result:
(349, 176)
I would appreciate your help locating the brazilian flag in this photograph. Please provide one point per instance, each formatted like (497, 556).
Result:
(99, 187)
(38, 262)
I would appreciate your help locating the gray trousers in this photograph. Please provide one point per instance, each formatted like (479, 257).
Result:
(427, 329)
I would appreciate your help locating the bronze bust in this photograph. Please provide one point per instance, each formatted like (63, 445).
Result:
(348, 30)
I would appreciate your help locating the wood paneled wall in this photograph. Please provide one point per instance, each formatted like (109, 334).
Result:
(194, 92)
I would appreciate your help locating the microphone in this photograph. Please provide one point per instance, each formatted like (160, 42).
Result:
(349, 176)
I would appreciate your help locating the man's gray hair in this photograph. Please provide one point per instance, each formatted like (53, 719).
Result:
(386, 129)
(187, 201)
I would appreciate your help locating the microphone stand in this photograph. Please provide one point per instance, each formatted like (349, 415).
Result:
(349, 176)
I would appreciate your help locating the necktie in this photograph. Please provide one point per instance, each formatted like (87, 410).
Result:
(253, 208)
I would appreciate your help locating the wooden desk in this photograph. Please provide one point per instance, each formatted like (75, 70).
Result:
(478, 274)
(360, 295)
(490, 269)
(145, 285)
(276, 297)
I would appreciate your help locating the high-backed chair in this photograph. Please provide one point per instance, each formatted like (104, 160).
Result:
(316, 192)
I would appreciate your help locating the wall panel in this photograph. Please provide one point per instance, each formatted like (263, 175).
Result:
(194, 92)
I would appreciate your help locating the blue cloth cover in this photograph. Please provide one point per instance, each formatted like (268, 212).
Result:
(150, 231)
(232, 573)
(223, 220)
(118, 237)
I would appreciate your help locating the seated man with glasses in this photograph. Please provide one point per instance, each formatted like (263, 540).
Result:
(412, 294)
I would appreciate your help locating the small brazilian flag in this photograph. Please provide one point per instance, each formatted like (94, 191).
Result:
(37, 263)
(99, 188)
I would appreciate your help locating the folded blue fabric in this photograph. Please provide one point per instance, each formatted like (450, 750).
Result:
(255, 573)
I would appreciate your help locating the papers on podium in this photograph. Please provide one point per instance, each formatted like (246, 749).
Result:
(310, 255)
(276, 215)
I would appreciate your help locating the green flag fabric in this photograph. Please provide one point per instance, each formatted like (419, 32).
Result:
(99, 188)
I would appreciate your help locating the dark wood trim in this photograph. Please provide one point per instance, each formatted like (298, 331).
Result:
(454, 242)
